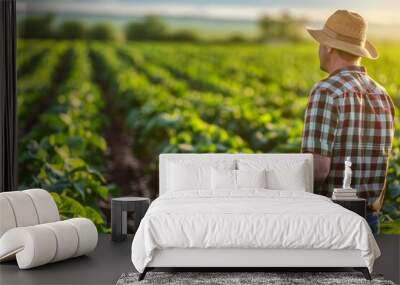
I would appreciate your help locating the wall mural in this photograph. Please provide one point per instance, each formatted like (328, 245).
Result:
(105, 86)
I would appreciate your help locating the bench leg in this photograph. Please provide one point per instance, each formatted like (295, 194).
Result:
(364, 271)
(143, 274)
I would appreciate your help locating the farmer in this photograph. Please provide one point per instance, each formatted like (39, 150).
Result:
(348, 115)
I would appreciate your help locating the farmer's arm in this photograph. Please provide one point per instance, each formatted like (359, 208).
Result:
(320, 122)
(322, 166)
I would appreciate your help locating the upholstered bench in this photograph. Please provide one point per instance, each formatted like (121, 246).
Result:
(31, 230)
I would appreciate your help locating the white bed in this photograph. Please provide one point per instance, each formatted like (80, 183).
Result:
(249, 227)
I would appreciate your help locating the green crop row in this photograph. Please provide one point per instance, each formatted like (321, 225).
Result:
(252, 112)
(36, 86)
(161, 122)
(64, 151)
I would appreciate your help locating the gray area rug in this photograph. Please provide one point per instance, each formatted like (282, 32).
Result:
(243, 278)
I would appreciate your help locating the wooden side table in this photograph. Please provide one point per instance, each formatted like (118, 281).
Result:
(119, 209)
(357, 205)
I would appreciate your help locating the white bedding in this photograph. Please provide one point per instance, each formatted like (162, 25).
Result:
(250, 219)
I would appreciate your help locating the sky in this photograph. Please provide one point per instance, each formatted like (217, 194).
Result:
(376, 12)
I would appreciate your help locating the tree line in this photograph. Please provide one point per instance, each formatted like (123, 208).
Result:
(282, 28)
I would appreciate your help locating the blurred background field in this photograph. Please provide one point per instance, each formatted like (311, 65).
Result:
(101, 96)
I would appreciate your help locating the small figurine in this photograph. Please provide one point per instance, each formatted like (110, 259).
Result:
(347, 174)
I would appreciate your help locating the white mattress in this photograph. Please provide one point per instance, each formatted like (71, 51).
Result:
(253, 219)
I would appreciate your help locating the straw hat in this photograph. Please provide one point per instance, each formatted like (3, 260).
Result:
(347, 31)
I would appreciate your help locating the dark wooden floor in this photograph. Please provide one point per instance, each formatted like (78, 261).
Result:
(389, 262)
(103, 266)
(110, 260)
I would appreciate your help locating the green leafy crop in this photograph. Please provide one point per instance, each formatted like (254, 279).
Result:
(170, 98)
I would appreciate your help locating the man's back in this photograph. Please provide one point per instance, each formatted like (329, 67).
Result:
(350, 115)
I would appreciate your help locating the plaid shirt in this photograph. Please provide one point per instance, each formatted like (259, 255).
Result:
(349, 114)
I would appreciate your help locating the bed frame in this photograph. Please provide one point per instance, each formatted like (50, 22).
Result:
(242, 259)
(246, 258)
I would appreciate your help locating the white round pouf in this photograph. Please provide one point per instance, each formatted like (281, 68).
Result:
(41, 244)
(31, 233)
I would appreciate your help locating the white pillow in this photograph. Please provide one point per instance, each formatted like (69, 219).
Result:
(251, 178)
(281, 174)
(293, 179)
(182, 177)
(230, 180)
(223, 179)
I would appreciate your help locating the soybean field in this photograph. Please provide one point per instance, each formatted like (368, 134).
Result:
(94, 116)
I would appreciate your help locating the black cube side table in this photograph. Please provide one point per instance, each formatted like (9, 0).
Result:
(119, 208)
(357, 205)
